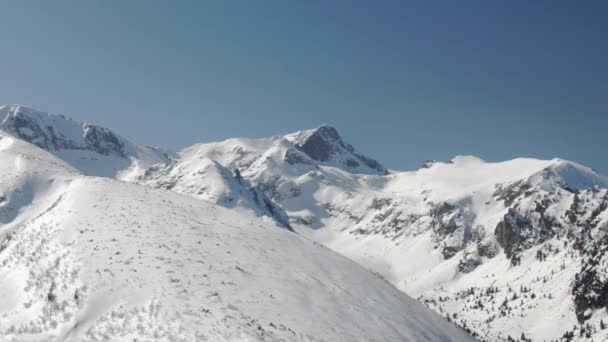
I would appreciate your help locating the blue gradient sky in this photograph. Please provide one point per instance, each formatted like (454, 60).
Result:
(403, 81)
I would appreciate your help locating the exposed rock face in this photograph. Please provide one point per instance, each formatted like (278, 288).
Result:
(469, 262)
(324, 144)
(213, 182)
(293, 156)
(103, 140)
(511, 192)
(452, 227)
(582, 226)
(56, 132)
(590, 285)
(509, 232)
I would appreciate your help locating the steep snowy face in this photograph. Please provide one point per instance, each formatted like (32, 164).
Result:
(325, 146)
(482, 234)
(269, 170)
(208, 180)
(92, 259)
(92, 149)
(57, 132)
(98, 151)
(466, 223)
(318, 147)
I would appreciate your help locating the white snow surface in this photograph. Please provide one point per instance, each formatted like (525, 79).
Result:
(418, 230)
(385, 223)
(94, 259)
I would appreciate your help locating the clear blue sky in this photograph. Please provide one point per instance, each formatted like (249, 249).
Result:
(403, 81)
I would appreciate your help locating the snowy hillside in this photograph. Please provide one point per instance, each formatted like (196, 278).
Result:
(513, 249)
(94, 259)
(98, 151)
(92, 149)
(464, 223)
(208, 180)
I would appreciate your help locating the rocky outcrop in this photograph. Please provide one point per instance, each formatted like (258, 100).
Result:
(452, 227)
(590, 284)
(324, 144)
(102, 140)
(293, 156)
(509, 193)
(57, 132)
(210, 181)
(508, 232)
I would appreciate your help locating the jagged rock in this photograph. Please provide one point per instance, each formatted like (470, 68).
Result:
(103, 140)
(209, 180)
(469, 262)
(293, 156)
(321, 144)
(590, 284)
(41, 130)
(324, 144)
(508, 232)
(451, 227)
(511, 192)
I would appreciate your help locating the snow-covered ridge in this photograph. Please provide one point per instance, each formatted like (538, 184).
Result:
(457, 220)
(94, 259)
(208, 180)
(325, 145)
(58, 132)
(454, 234)
(99, 151)
(92, 149)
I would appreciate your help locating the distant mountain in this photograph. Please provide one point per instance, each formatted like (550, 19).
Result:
(505, 250)
(95, 259)
(325, 146)
(92, 149)
(99, 151)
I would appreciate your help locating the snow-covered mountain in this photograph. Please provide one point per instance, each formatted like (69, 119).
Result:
(99, 151)
(514, 249)
(95, 259)
(463, 226)
(92, 149)
(207, 179)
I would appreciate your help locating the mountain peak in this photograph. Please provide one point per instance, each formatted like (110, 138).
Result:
(13, 112)
(321, 143)
(327, 131)
(58, 132)
(324, 144)
(572, 175)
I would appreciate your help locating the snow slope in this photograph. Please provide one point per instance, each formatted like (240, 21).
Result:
(98, 151)
(93, 259)
(92, 149)
(501, 249)
(439, 231)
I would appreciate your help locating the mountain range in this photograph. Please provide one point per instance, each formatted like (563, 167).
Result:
(92, 225)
